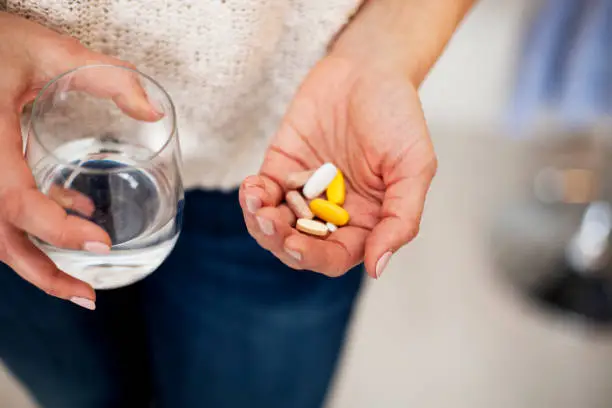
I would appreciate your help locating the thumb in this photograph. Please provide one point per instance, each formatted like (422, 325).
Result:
(401, 212)
(123, 86)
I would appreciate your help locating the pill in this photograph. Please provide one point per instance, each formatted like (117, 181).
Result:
(297, 180)
(336, 191)
(319, 181)
(329, 212)
(298, 205)
(312, 227)
(331, 227)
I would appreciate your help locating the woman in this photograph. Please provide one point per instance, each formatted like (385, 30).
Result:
(223, 323)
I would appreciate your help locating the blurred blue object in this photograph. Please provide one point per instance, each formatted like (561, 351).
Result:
(566, 65)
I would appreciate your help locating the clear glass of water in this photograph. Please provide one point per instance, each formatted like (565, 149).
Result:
(104, 164)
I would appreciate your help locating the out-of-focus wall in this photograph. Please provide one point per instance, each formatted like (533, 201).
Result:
(469, 87)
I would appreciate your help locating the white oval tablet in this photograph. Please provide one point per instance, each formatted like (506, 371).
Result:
(319, 181)
(312, 227)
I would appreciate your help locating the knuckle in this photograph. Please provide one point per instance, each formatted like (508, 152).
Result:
(411, 231)
(338, 263)
(71, 47)
(253, 181)
(59, 237)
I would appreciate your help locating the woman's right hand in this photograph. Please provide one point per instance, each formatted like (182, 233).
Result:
(31, 55)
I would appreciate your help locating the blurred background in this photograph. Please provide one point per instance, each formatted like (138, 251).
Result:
(503, 300)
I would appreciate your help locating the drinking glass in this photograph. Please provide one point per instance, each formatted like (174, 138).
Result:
(110, 168)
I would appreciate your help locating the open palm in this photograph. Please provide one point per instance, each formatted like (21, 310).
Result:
(367, 120)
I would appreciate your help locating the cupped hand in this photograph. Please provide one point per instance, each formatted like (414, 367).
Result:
(367, 120)
(31, 55)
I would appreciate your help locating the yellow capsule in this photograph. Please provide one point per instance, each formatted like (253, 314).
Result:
(336, 191)
(329, 212)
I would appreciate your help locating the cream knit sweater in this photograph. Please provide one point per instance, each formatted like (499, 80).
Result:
(231, 66)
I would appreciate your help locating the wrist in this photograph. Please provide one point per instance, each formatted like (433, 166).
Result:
(406, 36)
(380, 52)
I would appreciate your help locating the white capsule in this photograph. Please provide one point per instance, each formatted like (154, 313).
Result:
(331, 227)
(320, 179)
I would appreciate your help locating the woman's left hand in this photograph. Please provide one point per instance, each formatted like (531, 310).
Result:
(367, 120)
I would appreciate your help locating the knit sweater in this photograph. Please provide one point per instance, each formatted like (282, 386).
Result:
(231, 66)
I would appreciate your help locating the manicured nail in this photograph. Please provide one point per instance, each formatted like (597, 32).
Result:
(253, 204)
(96, 248)
(382, 263)
(66, 202)
(86, 303)
(83, 206)
(266, 226)
(294, 254)
(157, 113)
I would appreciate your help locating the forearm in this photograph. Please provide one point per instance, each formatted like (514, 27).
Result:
(408, 34)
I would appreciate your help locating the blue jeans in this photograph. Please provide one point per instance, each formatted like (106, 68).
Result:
(222, 324)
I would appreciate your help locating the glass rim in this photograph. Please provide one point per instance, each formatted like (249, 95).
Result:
(137, 163)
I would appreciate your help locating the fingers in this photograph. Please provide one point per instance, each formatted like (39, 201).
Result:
(31, 211)
(22, 207)
(333, 256)
(26, 208)
(123, 86)
(260, 191)
(268, 188)
(269, 226)
(33, 266)
(72, 200)
(272, 229)
(400, 217)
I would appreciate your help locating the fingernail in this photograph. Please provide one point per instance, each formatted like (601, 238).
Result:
(66, 202)
(266, 226)
(84, 206)
(382, 263)
(253, 204)
(294, 254)
(96, 248)
(157, 113)
(86, 303)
